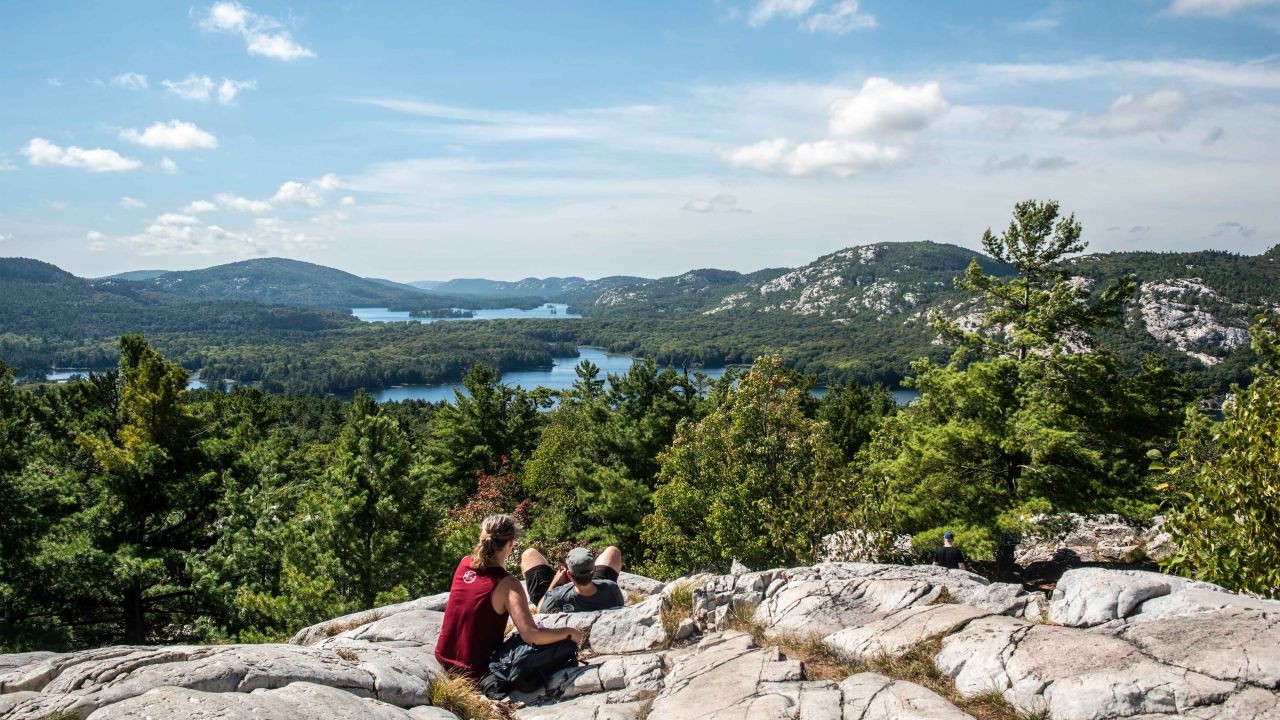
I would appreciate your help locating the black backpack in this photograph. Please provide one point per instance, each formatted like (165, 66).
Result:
(520, 666)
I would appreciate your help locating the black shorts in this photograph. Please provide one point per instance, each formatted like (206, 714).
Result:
(537, 579)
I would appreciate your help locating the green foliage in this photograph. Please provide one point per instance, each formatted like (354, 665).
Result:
(756, 480)
(1026, 419)
(1224, 483)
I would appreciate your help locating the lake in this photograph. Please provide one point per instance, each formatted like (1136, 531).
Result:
(560, 376)
(62, 375)
(551, 311)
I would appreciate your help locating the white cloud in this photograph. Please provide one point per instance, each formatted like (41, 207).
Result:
(131, 203)
(1162, 110)
(97, 241)
(348, 201)
(228, 89)
(884, 106)
(169, 167)
(310, 194)
(173, 135)
(196, 207)
(836, 157)
(1216, 8)
(844, 17)
(262, 34)
(130, 81)
(857, 128)
(235, 203)
(4, 237)
(177, 219)
(192, 87)
(42, 152)
(766, 10)
(295, 193)
(53, 82)
(6, 165)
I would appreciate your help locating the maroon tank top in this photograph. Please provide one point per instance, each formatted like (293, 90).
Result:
(472, 630)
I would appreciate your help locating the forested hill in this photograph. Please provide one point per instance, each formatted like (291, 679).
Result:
(284, 282)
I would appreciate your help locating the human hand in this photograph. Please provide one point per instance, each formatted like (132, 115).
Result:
(576, 636)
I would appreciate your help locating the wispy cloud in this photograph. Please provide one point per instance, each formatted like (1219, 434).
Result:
(263, 35)
(1162, 110)
(842, 18)
(1263, 73)
(131, 203)
(202, 88)
(130, 81)
(1216, 8)
(41, 152)
(235, 203)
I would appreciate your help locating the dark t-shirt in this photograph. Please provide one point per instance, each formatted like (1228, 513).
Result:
(949, 557)
(566, 598)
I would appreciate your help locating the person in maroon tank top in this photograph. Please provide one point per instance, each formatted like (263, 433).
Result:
(481, 599)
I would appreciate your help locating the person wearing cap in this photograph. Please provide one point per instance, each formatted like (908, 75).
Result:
(584, 582)
(949, 556)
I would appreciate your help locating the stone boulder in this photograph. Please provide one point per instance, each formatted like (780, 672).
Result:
(1070, 674)
(897, 633)
(1085, 597)
(329, 628)
(1095, 539)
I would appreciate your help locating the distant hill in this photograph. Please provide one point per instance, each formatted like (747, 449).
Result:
(528, 287)
(135, 275)
(284, 282)
(426, 284)
(397, 286)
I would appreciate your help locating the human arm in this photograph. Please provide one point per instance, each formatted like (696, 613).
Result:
(517, 603)
(962, 565)
(555, 582)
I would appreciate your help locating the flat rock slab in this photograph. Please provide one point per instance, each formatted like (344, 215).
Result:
(870, 696)
(78, 684)
(588, 707)
(1242, 646)
(298, 701)
(1071, 674)
(896, 633)
(831, 597)
(728, 677)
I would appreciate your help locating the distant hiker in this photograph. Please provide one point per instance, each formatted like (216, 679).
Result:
(481, 599)
(949, 556)
(582, 584)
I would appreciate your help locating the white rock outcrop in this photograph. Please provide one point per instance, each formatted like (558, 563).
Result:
(1120, 644)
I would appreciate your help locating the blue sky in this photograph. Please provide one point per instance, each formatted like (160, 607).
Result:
(508, 139)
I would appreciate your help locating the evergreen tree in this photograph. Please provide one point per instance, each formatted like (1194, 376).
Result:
(1029, 417)
(146, 502)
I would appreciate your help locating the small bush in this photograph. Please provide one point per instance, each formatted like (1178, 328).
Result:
(679, 607)
(742, 617)
(462, 697)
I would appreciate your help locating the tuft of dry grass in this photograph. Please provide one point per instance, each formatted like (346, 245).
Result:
(944, 598)
(635, 598)
(742, 617)
(348, 654)
(916, 665)
(679, 607)
(461, 696)
(820, 663)
(337, 628)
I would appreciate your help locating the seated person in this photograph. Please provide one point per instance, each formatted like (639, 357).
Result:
(482, 598)
(593, 586)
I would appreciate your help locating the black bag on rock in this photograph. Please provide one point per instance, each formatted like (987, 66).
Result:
(520, 666)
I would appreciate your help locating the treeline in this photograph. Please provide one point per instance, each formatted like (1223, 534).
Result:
(137, 511)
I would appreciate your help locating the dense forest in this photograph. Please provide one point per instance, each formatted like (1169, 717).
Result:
(138, 511)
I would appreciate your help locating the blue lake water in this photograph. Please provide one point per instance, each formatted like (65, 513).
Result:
(560, 376)
(61, 375)
(552, 311)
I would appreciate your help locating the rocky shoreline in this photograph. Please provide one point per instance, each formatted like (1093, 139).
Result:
(1107, 644)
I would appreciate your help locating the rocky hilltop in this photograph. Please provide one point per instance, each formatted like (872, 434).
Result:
(1107, 644)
